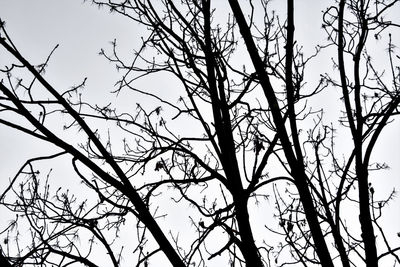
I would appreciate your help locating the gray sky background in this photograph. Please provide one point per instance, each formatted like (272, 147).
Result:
(82, 30)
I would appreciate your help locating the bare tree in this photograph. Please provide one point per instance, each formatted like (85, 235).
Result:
(238, 132)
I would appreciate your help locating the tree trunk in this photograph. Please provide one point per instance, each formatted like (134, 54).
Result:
(367, 229)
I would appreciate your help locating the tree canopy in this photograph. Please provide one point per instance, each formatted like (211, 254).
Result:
(241, 145)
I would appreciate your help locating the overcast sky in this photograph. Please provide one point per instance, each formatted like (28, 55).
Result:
(81, 29)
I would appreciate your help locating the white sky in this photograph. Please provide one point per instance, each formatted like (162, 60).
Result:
(82, 30)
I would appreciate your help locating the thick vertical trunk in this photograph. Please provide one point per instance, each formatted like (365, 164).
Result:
(248, 246)
(357, 133)
(249, 249)
(367, 229)
(297, 168)
(226, 142)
